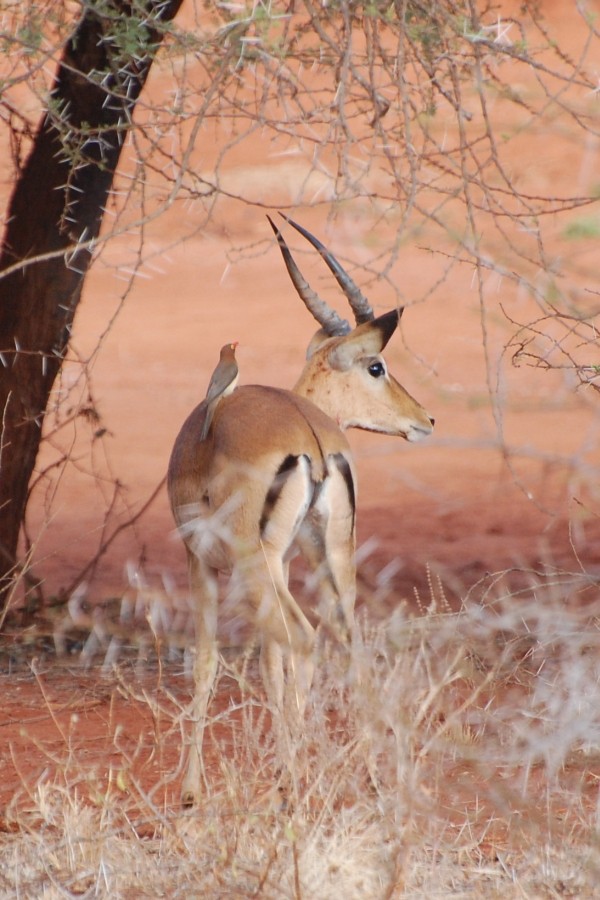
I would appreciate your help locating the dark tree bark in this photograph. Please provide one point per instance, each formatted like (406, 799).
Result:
(56, 207)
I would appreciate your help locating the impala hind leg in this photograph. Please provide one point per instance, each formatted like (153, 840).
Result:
(287, 677)
(204, 589)
(287, 637)
(327, 542)
(287, 697)
(286, 667)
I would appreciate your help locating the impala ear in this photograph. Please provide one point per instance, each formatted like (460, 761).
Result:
(366, 340)
(315, 342)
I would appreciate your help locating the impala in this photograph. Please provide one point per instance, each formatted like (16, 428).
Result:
(275, 473)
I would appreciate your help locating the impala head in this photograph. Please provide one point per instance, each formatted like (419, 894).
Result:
(345, 374)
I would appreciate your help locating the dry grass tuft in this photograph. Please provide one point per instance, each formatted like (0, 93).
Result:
(453, 754)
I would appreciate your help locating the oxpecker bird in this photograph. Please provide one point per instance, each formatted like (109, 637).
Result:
(222, 383)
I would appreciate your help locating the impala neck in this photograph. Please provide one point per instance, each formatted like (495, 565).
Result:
(314, 385)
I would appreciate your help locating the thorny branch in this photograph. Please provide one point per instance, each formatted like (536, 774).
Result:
(405, 109)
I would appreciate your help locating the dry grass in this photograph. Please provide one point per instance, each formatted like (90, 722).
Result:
(457, 754)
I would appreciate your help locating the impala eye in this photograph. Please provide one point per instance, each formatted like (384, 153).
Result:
(376, 369)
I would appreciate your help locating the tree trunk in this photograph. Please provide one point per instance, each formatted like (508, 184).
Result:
(56, 207)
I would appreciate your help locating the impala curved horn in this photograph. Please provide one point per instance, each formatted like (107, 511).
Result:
(362, 309)
(328, 319)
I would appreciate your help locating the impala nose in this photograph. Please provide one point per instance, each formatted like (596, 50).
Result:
(419, 432)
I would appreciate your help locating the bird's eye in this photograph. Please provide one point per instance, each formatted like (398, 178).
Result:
(376, 369)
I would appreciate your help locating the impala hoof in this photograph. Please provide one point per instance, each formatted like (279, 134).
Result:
(188, 800)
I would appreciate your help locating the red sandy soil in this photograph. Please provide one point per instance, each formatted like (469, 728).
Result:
(492, 489)
(467, 502)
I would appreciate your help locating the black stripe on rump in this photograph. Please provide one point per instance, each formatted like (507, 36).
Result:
(273, 494)
(343, 467)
